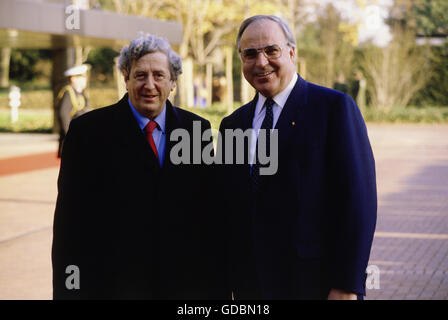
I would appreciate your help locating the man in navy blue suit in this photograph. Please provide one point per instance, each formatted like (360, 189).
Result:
(306, 231)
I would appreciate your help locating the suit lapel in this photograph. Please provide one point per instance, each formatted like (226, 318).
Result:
(248, 114)
(290, 114)
(172, 122)
(130, 137)
(245, 122)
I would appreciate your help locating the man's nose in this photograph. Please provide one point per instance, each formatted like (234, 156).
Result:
(261, 60)
(149, 82)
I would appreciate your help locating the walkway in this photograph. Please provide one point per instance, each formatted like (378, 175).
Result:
(410, 246)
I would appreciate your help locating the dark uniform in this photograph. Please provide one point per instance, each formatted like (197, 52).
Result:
(340, 86)
(70, 104)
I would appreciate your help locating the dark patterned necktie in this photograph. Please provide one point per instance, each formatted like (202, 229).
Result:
(267, 125)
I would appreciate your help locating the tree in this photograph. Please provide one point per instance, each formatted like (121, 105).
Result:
(328, 45)
(428, 18)
(24, 62)
(435, 91)
(329, 39)
(395, 73)
(431, 16)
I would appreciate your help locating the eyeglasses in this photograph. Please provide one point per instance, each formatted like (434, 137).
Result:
(270, 52)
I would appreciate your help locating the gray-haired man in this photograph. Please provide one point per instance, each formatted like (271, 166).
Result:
(128, 222)
(306, 231)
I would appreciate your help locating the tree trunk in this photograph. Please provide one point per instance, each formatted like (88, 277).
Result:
(229, 78)
(247, 91)
(186, 83)
(302, 67)
(209, 83)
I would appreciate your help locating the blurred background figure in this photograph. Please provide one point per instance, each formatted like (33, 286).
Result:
(219, 88)
(358, 89)
(340, 84)
(200, 92)
(71, 100)
(354, 85)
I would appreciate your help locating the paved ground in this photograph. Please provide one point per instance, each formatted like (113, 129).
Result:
(411, 242)
(27, 201)
(410, 247)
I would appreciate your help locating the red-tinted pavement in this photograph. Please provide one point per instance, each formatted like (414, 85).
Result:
(26, 163)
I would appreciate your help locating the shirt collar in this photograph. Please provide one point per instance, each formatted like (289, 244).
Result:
(143, 121)
(280, 99)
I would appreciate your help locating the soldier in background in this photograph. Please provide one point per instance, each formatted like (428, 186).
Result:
(71, 100)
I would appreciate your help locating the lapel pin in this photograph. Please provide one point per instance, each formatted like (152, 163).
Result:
(293, 123)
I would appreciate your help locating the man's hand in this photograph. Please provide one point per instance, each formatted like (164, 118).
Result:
(337, 294)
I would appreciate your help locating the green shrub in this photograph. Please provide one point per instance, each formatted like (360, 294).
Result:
(33, 99)
(43, 99)
(214, 114)
(407, 114)
(29, 121)
(36, 113)
(101, 97)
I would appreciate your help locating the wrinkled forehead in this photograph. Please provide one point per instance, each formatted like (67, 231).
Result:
(262, 33)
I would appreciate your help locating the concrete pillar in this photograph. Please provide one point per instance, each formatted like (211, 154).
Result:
(5, 59)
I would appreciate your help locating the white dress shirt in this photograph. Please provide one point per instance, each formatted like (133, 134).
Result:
(260, 112)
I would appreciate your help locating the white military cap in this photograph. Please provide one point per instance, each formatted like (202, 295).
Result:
(76, 71)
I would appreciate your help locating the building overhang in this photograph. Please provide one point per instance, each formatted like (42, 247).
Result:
(29, 24)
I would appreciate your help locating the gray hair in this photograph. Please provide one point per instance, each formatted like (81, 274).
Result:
(149, 44)
(291, 41)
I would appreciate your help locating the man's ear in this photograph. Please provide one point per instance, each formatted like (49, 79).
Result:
(292, 54)
(126, 79)
(173, 85)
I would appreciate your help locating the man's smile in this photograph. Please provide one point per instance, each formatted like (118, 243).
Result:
(264, 74)
(149, 96)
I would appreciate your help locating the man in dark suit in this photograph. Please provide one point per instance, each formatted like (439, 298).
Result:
(306, 231)
(129, 222)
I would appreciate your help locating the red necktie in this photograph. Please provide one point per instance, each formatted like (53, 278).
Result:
(149, 129)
